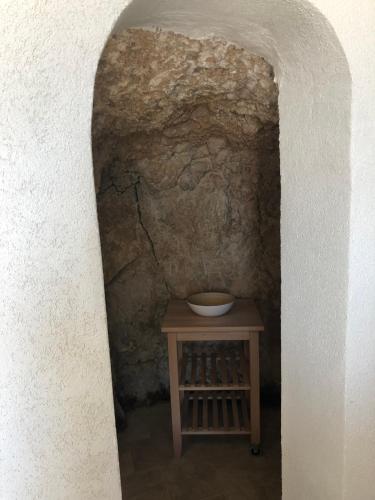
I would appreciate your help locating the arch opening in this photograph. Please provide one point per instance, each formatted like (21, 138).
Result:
(314, 105)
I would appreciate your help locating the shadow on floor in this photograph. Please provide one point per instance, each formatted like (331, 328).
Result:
(211, 468)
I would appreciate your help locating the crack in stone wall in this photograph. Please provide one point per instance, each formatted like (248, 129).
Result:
(186, 164)
(152, 246)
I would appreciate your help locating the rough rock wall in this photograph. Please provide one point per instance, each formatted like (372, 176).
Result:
(186, 162)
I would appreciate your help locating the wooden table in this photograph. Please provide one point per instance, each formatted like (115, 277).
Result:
(214, 391)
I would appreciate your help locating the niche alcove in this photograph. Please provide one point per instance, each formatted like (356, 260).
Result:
(186, 164)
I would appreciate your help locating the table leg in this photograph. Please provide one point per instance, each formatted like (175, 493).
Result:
(254, 389)
(245, 348)
(175, 397)
(180, 354)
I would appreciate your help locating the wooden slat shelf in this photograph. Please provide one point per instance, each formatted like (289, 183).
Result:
(220, 371)
(214, 372)
(215, 413)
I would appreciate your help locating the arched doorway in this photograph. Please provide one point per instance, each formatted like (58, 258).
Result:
(307, 80)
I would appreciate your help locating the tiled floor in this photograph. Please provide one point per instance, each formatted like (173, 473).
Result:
(219, 468)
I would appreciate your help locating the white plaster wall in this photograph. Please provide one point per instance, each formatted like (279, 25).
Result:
(359, 456)
(57, 426)
(57, 429)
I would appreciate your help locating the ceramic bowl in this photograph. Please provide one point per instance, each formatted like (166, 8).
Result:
(210, 303)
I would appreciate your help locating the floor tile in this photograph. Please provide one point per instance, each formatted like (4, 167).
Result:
(219, 468)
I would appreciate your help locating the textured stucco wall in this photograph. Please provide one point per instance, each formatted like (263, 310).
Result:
(359, 456)
(186, 161)
(57, 433)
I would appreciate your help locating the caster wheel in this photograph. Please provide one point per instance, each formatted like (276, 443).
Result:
(255, 451)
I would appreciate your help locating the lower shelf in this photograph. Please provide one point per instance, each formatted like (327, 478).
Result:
(215, 413)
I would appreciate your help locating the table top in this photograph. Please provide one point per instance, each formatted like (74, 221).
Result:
(243, 317)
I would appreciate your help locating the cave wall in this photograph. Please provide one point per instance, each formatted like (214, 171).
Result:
(186, 164)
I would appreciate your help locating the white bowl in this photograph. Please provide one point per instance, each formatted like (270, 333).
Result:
(210, 303)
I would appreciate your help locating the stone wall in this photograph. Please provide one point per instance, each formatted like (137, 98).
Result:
(186, 163)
